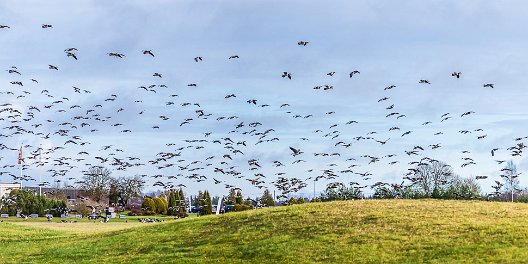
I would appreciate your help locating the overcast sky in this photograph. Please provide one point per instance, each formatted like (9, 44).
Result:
(389, 42)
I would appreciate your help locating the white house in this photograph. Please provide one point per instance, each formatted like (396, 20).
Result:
(5, 188)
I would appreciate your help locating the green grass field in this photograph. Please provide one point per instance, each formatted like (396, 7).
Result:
(373, 231)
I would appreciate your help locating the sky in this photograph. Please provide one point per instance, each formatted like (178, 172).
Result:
(388, 42)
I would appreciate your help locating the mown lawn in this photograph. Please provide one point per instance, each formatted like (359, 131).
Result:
(373, 231)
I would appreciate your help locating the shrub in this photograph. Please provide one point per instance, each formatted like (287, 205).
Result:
(134, 211)
(82, 209)
(160, 205)
(242, 207)
(148, 206)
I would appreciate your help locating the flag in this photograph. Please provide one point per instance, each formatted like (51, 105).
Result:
(20, 156)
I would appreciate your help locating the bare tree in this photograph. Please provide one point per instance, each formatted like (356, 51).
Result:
(96, 182)
(510, 178)
(129, 187)
(430, 175)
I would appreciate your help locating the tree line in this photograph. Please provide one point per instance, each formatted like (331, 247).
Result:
(26, 202)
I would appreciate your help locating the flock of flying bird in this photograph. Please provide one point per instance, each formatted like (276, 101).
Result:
(55, 135)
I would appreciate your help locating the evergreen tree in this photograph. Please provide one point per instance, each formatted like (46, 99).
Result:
(231, 198)
(208, 206)
(182, 204)
(200, 199)
(181, 194)
(239, 199)
(177, 203)
(40, 205)
(172, 203)
(267, 198)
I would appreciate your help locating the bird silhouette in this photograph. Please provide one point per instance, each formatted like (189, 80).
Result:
(148, 52)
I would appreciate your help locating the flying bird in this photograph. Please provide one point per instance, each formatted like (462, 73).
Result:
(493, 151)
(116, 55)
(302, 43)
(490, 85)
(353, 73)
(148, 52)
(295, 151)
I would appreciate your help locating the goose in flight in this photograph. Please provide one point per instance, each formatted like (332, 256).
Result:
(148, 52)
(303, 43)
(353, 73)
(490, 85)
(406, 133)
(71, 54)
(13, 70)
(456, 74)
(115, 54)
(295, 151)
(467, 113)
(493, 151)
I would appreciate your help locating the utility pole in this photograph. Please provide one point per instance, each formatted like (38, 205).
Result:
(314, 190)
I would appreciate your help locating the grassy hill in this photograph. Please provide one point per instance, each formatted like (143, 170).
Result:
(377, 231)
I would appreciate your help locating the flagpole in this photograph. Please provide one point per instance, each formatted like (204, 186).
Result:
(21, 179)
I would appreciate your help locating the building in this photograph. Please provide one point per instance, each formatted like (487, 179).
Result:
(68, 193)
(5, 188)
